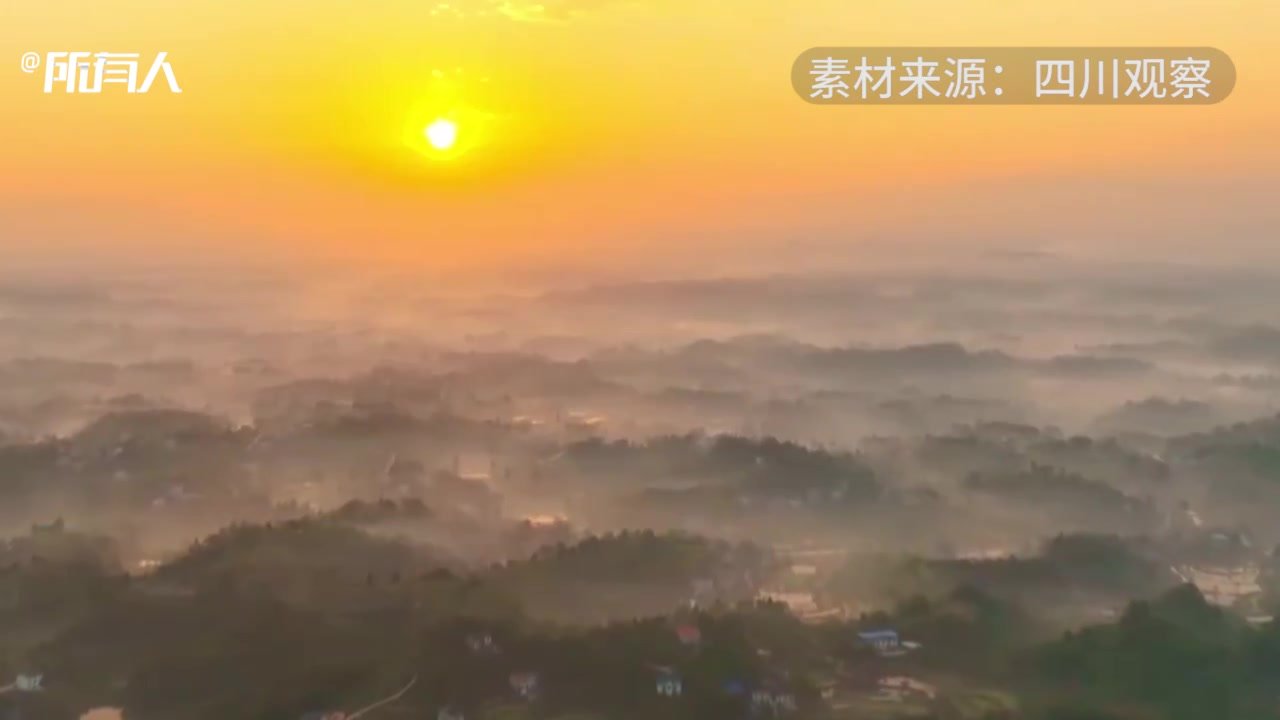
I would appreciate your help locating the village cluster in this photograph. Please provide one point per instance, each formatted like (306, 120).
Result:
(769, 698)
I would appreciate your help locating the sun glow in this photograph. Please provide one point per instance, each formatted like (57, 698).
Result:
(442, 134)
(450, 116)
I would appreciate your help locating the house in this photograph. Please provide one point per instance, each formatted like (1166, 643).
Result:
(772, 701)
(734, 688)
(689, 634)
(669, 683)
(898, 688)
(481, 644)
(703, 591)
(804, 570)
(469, 494)
(57, 527)
(404, 475)
(885, 642)
(799, 603)
(582, 423)
(450, 713)
(544, 521)
(29, 683)
(1223, 586)
(525, 684)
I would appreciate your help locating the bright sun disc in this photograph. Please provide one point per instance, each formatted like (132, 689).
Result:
(442, 134)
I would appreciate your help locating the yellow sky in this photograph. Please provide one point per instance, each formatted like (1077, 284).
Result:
(603, 131)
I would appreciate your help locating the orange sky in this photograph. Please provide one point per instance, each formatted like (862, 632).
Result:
(605, 132)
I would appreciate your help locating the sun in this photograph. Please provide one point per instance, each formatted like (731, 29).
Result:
(445, 130)
(441, 134)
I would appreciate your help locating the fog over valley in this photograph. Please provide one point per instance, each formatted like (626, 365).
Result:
(889, 493)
